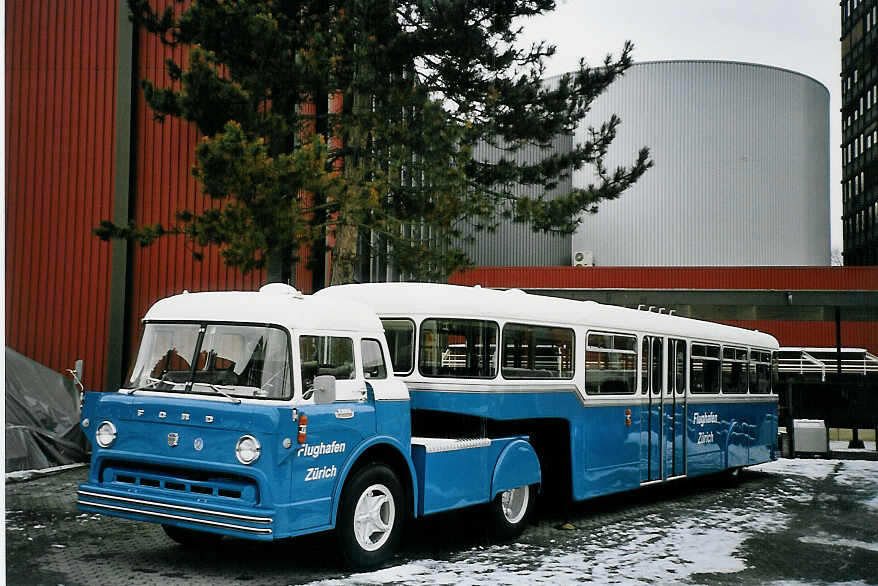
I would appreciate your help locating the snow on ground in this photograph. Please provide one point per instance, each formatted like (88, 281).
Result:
(825, 539)
(672, 544)
(814, 469)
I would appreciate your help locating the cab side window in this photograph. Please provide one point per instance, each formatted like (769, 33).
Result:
(326, 355)
(373, 360)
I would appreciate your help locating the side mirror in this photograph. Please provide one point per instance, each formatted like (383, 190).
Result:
(324, 389)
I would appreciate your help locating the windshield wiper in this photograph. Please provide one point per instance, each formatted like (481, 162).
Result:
(234, 400)
(150, 385)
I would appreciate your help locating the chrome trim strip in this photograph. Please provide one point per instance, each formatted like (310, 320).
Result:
(649, 482)
(244, 528)
(176, 507)
(700, 399)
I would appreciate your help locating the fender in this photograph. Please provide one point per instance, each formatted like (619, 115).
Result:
(517, 465)
(355, 457)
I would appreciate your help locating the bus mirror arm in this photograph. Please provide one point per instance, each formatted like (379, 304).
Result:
(324, 389)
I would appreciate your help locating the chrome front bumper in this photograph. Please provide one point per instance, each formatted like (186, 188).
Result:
(157, 511)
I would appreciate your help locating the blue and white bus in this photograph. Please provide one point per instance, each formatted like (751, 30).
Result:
(611, 398)
(272, 414)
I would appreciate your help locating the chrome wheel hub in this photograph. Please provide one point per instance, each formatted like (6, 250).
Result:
(373, 517)
(513, 503)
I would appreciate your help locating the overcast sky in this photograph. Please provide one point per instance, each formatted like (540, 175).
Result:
(801, 35)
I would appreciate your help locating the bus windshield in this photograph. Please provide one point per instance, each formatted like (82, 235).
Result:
(220, 359)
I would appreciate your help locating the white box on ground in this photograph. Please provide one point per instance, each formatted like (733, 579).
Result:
(810, 435)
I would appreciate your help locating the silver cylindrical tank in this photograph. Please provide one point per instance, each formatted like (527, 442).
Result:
(741, 173)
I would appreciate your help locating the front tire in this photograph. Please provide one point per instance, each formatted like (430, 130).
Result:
(371, 516)
(509, 512)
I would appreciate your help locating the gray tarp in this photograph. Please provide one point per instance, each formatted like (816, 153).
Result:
(42, 416)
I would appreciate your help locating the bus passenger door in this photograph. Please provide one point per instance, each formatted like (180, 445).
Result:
(674, 428)
(652, 371)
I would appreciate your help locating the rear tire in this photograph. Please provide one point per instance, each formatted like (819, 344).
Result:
(192, 539)
(732, 476)
(509, 512)
(370, 517)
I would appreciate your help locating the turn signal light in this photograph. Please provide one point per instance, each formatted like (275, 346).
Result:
(303, 428)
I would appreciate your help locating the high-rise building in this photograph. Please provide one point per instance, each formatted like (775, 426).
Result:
(859, 122)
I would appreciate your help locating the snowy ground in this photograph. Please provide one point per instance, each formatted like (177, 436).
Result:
(789, 522)
(674, 544)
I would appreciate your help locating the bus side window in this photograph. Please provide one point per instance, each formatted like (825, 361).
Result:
(657, 365)
(458, 348)
(704, 368)
(610, 364)
(681, 366)
(537, 352)
(676, 366)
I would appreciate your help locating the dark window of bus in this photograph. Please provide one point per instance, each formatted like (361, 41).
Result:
(610, 364)
(537, 352)
(326, 355)
(681, 364)
(704, 369)
(458, 348)
(644, 365)
(760, 372)
(676, 366)
(772, 387)
(656, 365)
(734, 370)
(400, 335)
(373, 359)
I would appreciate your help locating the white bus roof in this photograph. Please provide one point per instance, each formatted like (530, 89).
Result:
(273, 304)
(437, 300)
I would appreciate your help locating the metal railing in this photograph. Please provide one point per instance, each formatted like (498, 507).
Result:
(819, 361)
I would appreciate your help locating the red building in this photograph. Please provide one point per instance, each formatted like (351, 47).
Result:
(82, 146)
(800, 306)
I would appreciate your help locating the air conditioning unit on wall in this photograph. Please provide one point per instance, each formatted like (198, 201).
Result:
(583, 258)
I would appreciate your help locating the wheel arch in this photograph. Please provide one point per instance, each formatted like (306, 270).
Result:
(382, 450)
(517, 465)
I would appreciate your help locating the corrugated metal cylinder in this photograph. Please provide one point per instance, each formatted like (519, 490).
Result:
(741, 173)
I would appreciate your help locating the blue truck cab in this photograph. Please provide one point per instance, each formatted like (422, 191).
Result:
(271, 414)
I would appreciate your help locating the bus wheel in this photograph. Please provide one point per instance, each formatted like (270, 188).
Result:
(370, 517)
(509, 512)
(192, 539)
(733, 475)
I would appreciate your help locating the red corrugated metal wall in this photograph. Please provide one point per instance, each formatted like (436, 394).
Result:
(163, 156)
(60, 119)
(858, 334)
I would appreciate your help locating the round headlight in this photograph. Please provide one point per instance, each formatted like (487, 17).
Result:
(106, 434)
(247, 449)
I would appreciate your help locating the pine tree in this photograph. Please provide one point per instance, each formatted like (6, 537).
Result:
(423, 83)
